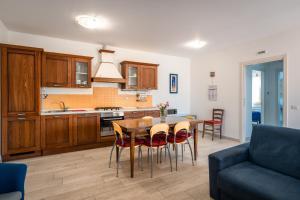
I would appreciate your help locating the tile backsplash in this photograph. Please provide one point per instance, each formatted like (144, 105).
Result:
(102, 96)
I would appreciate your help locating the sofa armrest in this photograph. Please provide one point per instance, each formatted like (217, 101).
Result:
(12, 177)
(223, 159)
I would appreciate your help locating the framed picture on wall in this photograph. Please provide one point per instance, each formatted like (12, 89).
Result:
(173, 83)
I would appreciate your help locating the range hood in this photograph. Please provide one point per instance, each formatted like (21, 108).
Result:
(107, 71)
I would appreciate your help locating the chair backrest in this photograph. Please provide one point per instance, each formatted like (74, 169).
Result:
(184, 125)
(118, 131)
(276, 148)
(159, 128)
(218, 114)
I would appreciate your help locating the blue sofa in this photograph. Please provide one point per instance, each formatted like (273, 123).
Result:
(12, 178)
(266, 168)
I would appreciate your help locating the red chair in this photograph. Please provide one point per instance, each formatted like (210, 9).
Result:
(214, 125)
(158, 139)
(122, 141)
(181, 136)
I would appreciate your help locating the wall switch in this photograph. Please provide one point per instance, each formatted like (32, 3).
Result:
(294, 107)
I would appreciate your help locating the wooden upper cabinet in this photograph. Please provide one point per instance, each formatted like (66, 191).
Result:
(81, 72)
(56, 70)
(86, 129)
(56, 131)
(148, 77)
(20, 81)
(139, 76)
(65, 70)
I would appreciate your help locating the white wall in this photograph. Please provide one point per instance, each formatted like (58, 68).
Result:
(167, 64)
(226, 64)
(3, 33)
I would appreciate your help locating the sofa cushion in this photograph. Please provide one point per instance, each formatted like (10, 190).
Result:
(11, 196)
(248, 181)
(276, 148)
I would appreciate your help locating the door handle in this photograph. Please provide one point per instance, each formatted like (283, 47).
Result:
(21, 118)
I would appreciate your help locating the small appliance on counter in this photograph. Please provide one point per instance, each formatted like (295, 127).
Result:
(172, 112)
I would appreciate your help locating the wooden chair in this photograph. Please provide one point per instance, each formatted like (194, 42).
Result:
(215, 124)
(155, 140)
(181, 136)
(123, 141)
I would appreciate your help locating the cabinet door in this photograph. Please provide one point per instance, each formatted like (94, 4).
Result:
(20, 82)
(148, 77)
(20, 134)
(87, 129)
(131, 73)
(81, 72)
(152, 113)
(56, 70)
(56, 131)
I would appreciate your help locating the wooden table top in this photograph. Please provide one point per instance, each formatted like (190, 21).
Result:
(134, 124)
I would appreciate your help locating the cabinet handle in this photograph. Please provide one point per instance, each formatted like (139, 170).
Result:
(21, 118)
(56, 116)
(57, 85)
(21, 114)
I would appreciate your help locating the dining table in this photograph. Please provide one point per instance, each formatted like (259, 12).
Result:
(135, 127)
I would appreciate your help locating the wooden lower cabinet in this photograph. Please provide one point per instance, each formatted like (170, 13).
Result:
(86, 129)
(56, 132)
(21, 137)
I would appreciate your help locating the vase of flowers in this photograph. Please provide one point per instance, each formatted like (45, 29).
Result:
(163, 110)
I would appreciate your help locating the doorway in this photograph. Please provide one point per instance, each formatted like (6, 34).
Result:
(264, 95)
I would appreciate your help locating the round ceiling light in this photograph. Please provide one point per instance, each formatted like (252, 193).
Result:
(92, 22)
(195, 44)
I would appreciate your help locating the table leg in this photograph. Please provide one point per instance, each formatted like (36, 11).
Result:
(195, 142)
(132, 145)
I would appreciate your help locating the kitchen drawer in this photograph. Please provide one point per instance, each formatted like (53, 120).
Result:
(152, 113)
(134, 114)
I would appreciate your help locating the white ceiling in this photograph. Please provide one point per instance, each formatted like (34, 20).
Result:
(155, 25)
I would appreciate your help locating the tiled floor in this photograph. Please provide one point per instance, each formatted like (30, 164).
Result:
(85, 175)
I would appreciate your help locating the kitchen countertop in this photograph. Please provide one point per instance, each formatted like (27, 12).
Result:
(91, 111)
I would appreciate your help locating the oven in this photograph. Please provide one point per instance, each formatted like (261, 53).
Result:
(106, 119)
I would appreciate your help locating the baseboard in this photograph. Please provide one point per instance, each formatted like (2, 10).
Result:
(223, 136)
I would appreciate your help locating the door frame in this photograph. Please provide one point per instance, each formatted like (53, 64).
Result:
(243, 113)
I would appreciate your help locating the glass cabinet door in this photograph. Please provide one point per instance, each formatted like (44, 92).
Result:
(132, 77)
(81, 73)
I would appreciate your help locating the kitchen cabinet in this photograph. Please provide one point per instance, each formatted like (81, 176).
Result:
(139, 76)
(86, 129)
(152, 113)
(56, 132)
(81, 72)
(20, 101)
(66, 70)
(20, 81)
(148, 77)
(56, 70)
(20, 137)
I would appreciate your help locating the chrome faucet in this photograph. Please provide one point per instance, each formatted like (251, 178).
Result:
(63, 105)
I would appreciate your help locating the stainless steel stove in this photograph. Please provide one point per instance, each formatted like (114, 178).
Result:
(108, 115)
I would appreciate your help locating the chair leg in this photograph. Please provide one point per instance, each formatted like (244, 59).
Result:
(148, 156)
(118, 161)
(168, 147)
(141, 159)
(191, 151)
(203, 131)
(160, 155)
(151, 162)
(157, 154)
(176, 155)
(182, 152)
(221, 132)
(111, 152)
(139, 156)
(213, 132)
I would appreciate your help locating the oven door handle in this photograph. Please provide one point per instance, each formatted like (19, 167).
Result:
(120, 118)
